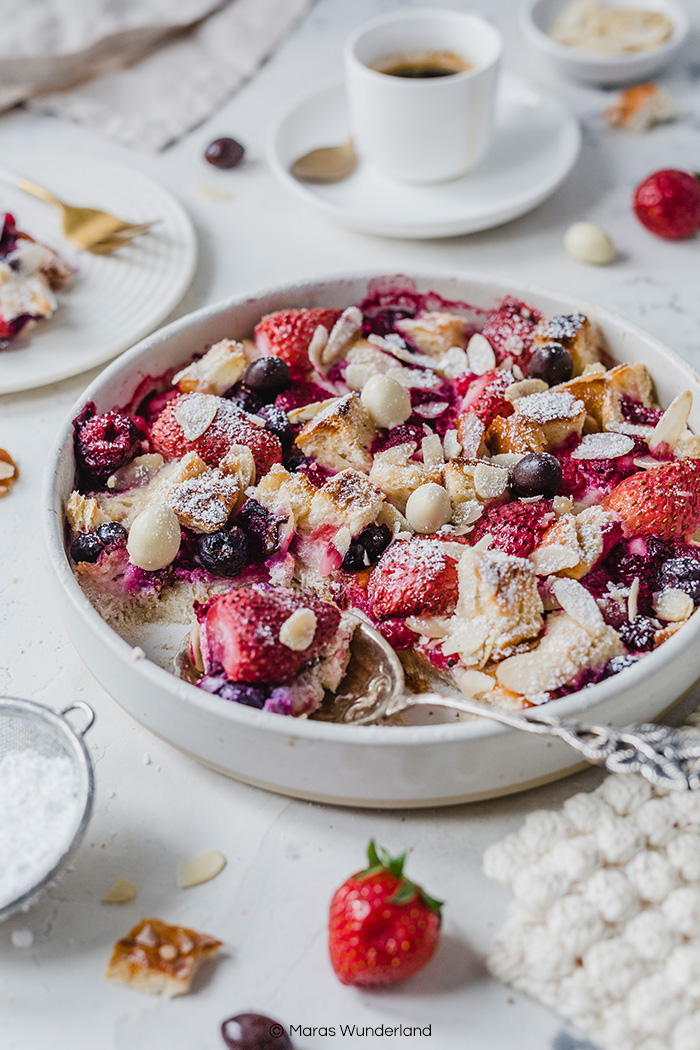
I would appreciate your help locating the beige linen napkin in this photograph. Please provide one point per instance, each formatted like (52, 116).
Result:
(141, 72)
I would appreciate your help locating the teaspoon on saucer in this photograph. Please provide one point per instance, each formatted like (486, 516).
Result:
(374, 691)
(326, 164)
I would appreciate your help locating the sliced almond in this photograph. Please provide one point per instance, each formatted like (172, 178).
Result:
(433, 453)
(507, 459)
(451, 445)
(523, 388)
(119, 892)
(200, 869)
(673, 605)
(307, 412)
(480, 354)
(579, 604)
(466, 513)
(633, 600)
(672, 423)
(195, 413)
(344, 331)
(298, 630)
(484, 543)
(317, 346)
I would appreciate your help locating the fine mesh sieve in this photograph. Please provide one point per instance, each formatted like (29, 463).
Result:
(28, 726)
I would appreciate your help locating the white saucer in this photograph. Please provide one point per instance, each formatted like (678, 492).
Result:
(113, 300)
(537, 143)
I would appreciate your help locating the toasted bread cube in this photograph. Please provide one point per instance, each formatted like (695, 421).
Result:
(348, 499)
(222, 366)
(602, 391)
(286, 494)
(340, 435)
(575, 332)
(499, 606)
(160, 959)
(515, 435)
(458, 479)
(83, 513)
(564, 651)
(397, 475)
(640, 107)
(435, 332)
(205, 502)
(558, 415)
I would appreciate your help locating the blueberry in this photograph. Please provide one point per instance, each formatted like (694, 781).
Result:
(683, 573)
(638, 635)
(267, 376)
(224, 553)
(260, 527)
(355, 559)
(246, 400)
(375, 539)
(224, 153)
(240, 693)
(538, 474)
(112, 534)
(553, 363)
(277, 422)
(254, 1032)
(86, 547)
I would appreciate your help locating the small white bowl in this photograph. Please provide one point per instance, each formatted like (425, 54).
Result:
(536, 16)
(370, 766)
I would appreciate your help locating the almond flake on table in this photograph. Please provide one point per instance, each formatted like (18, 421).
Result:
(200, 869)
(119, 892)
(603, 446)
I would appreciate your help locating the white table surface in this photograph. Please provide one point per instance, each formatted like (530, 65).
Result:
(155, 807)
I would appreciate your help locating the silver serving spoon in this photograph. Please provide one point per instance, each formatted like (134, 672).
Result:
(374, 691)
(327, 164)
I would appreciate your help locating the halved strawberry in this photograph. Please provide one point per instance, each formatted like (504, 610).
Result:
(484, 396)
(516, 528)
(663, 501)
(240, 633)
(287, 334)
(230, 426)
(413, 577)
(509, 331)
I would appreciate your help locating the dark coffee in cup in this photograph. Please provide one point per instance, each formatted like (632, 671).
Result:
(423, 65)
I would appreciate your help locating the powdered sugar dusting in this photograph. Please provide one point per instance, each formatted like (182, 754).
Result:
(603, 446)
(548, 406)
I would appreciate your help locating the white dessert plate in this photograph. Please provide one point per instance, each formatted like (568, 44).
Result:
(440, 763)
(536, 146)
(112, 300)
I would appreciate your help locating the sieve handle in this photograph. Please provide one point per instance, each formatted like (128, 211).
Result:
(80, 705)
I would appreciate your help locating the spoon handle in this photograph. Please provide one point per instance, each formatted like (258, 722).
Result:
(660, 753)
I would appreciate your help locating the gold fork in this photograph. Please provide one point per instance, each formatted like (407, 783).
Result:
(89, 229)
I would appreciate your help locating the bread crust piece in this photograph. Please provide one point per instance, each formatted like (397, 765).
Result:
(160, 959)
(340, 435)
(575, 332)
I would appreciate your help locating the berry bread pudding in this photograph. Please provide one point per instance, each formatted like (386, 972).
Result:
(30, 273)
(509, 507)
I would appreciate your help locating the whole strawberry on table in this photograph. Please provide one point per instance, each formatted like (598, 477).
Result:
(382, 927)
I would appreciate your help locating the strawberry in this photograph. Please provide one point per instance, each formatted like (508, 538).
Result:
(509, 330)
(287, 334)
(668, 203)
(230, 426)
(484, 396)
(240, 633)
(382, 928)
(663, 501)
(516, 528)
(413, 577)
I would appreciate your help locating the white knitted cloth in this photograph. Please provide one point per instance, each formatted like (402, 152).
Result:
(605, 924)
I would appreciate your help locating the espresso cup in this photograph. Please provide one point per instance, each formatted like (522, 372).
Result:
(429, 126)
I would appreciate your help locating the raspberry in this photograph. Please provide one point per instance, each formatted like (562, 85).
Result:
(588, 480)
(509, 330)
(105, 443)
(301, 394)
(516, 528)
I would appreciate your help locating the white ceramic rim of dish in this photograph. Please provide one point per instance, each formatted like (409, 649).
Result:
(677, 14)
(398, 736)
